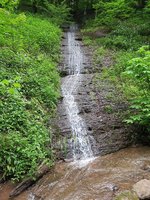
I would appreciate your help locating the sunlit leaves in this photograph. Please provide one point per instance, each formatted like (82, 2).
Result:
(29, 89)
(9, 4)
(138, 70)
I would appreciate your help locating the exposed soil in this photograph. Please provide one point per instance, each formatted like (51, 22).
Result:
(97, 33)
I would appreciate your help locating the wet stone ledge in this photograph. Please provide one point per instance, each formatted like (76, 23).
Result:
(99, 111)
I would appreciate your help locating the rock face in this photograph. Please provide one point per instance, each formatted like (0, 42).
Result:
(99, 105)
(142, 188)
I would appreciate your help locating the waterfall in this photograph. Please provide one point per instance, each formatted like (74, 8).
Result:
(81, 147)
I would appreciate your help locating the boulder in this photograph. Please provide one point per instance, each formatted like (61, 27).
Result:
(142, 188)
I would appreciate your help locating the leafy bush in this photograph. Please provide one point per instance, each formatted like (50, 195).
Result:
(24, 139)
(127, 35)
(29, 91)
(9, 4)
(138, 69)
(130, 70)
(147, 8)
(108, 12)
(58, 13)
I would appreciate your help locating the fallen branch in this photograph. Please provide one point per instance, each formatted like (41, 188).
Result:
(25, 184)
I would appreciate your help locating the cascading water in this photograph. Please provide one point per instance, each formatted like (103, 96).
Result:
(81, 147)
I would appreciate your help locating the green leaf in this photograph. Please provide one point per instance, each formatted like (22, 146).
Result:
(17, 85)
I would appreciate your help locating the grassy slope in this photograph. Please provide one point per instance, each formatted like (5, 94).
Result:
(29, 49)
(120, 46)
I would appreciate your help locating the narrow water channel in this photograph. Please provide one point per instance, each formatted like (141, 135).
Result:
(80, 143)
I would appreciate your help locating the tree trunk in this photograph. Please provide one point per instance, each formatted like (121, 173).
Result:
(141, 3)
(34, 7)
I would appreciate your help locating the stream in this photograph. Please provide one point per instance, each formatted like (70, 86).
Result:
(101, 179)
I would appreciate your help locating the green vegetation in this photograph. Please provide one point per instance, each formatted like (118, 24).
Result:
(29, 49)
(138, 74)
(130, 195)
(58, 12)
(125, 42)
(30, 83)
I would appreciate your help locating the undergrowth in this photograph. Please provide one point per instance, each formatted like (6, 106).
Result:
(29, 90)
(127, 44)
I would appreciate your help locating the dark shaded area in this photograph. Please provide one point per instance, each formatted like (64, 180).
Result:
(80, 16)
(143, 136)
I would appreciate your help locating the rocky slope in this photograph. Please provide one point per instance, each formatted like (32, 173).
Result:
(96, 106)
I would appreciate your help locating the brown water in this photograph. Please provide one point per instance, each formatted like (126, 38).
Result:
(101, 179)
(5, 189)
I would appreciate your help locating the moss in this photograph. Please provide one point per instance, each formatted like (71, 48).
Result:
(126, 195)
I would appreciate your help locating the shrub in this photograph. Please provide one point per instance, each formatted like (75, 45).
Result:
(147, 8)
(138, 69)
(29, 91)
(9, 4)
(108, 12)
(24, 139)
(58, 13)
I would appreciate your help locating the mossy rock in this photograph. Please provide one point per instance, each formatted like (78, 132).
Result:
(126, 195)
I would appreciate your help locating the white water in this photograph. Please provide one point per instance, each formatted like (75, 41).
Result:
(81, 147)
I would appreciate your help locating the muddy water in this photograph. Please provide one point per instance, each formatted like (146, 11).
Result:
(101, 179)
(5, 189)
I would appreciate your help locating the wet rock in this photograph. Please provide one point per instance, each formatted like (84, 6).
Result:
(100, 106)
(63, 73)
(126, 195)
(35, 197)
(86, 109)
(89, 128)
(112, 187)
(142, 188)
(146, 166)
(78, 38)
